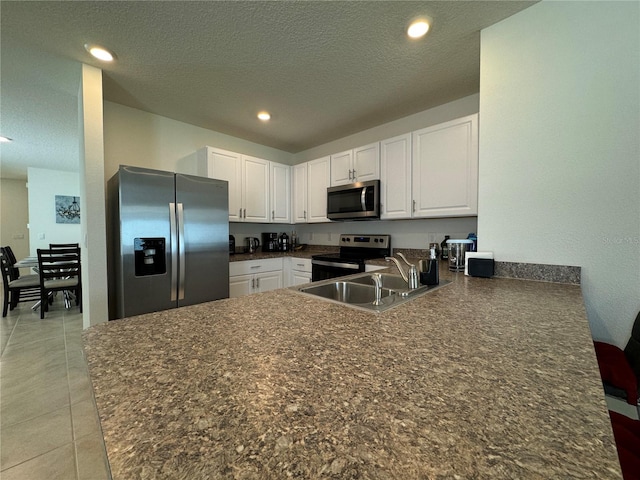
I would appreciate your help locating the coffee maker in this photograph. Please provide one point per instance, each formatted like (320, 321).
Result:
(270, 242)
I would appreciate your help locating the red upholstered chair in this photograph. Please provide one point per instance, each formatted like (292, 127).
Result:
(620, 369)
(626, 432)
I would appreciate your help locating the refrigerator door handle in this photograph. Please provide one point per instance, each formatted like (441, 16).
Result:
(174, 251)
(182, 258)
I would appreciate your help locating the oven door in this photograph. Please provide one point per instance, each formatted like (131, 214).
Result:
(326, 269)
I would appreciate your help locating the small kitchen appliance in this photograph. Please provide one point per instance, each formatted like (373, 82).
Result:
(270, 242)
(457, 252)
(285, 245)
(232, 244)
(251, 244)
(354, 250)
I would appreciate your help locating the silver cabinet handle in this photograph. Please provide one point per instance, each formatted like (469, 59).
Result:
(354, 175)
(181, 251)
(240, 214)
(305, 214)
(245, 213)
(349, 174)
(257, 283)
(414, 206)
(256, 266)
(253, 283)
(173, 229)
(273, 214)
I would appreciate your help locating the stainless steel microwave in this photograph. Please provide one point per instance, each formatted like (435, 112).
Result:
(355, 201)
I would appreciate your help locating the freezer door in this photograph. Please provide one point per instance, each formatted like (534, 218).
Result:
(146, 270)
(203, 245)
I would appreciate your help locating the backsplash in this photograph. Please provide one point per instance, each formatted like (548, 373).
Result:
(404, 233)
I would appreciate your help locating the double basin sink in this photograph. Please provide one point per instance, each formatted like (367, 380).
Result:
(359, 291)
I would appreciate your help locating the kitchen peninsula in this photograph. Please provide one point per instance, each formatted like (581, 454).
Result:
(483, 378)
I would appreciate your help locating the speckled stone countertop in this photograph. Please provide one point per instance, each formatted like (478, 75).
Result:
(483, 378)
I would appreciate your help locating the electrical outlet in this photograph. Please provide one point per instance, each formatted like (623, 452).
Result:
(41, 236)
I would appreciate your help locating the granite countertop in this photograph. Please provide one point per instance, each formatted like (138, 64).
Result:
(482, 378)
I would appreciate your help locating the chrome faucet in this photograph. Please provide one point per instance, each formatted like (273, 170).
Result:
(377, 281)
(411, 277)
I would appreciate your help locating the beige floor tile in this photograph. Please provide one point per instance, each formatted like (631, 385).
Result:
(36, 333)
(92, 458)
(15, 408)
(58, 464)
(34, 349)
(16, 384)
(43, 376)
(85, 419)
(31, 438)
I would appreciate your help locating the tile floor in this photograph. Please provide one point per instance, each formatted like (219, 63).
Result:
(49, 426)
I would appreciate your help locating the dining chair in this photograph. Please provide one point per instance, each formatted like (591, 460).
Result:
(63, 245)
(60, 270)
(20, 289)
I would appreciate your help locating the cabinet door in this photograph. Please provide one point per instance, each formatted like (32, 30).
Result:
(300, 193)
(445, 169)
(225, 165)
(298, 277)
(342, 168)
(255, 191)
(366, 163)
(268, 281)
(318, 172)
(240, 285)
(280, 193)
(395, 177)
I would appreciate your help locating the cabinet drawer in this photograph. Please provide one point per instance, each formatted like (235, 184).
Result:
(254, 266)
(301, 264)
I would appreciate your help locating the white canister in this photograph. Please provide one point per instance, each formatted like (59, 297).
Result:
(457, 252)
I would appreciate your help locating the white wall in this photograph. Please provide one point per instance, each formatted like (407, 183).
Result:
(141, 139)
(427, 118)
(44, 185)
(559, 149)
(94, 244)
(14, 212)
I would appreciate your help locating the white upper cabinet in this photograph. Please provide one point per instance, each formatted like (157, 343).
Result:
(248, 179)
(395, 177)
(358, 165)
(432, 172)
(300, 193)
(280, 193)
(255, 189)
(318, 178)
(445, 169)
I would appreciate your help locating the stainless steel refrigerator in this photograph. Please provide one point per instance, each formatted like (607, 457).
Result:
(168, 241)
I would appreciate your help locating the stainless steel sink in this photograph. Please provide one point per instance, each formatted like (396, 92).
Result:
(346, 292)
(358, 291)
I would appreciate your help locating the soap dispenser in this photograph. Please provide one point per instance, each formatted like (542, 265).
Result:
(431, 276)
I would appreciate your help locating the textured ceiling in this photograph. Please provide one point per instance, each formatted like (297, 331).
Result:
(323, 69)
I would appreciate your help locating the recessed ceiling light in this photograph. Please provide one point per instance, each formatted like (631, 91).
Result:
(5, 139)
(264, 116)
(418, 28)
(100, 53)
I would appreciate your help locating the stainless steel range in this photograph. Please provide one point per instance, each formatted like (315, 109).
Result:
(354, 250)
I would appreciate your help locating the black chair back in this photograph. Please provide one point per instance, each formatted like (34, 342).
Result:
(14, 273)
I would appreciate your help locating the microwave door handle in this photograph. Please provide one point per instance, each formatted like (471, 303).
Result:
(363, 199)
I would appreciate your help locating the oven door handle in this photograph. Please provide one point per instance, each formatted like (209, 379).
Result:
(350, 266)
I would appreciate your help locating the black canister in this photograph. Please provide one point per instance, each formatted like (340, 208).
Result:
(232, 244)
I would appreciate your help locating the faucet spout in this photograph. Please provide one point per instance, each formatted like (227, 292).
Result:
(411, 277)
(395, 260)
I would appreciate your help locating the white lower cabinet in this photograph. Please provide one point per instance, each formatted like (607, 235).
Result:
(255, 276)
(299, 271)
